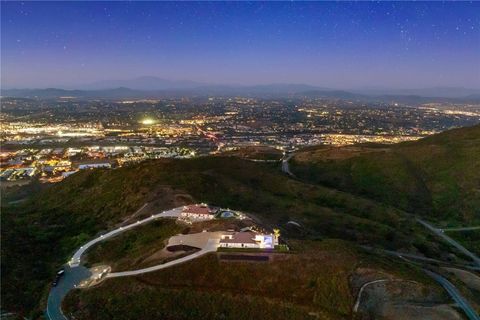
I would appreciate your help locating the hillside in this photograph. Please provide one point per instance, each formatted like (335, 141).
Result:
(255, 153)
(55, 221)
(438, 176)
(213, 288)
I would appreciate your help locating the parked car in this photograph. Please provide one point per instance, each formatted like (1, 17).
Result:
(59, 274)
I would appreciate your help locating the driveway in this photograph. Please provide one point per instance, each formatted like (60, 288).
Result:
(197, 240)
(452, 242)
(75, 273)
(211, 246)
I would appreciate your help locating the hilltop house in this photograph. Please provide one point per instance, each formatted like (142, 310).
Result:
(197, 212)
(248, 239)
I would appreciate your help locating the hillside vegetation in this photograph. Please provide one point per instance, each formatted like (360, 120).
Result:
(255, 153)
(131, 248)
(58, 220)
(438, 176)
(40, 234)
(209, 288)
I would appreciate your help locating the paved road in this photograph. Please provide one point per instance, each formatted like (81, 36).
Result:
(456, 296)
(452, 242)
(286, 166)
(76, 259)
(211, 246)
(71, 278)
(449, 287)
(75, 273)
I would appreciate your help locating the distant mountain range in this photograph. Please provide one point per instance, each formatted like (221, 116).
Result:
(444, 92)
(145, 83)
(153, 87)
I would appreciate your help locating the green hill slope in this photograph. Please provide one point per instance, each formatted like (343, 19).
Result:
(213, 288)
(438, 176)
(56, 221)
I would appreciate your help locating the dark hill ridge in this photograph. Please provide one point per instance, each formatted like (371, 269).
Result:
(438, 176)
(147, 87)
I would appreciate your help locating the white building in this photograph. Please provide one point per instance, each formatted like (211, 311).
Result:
(248, 239)
(94, 165)
(197, 212)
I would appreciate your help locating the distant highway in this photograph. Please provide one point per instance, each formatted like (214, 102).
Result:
(441, 234)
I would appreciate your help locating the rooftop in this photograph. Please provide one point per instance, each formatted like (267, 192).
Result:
(241, 237)
(197, 209)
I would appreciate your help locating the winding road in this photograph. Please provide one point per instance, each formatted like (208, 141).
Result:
(449, 287)
(75, 273)
(456, 296)
(71, 278)
(458, 246)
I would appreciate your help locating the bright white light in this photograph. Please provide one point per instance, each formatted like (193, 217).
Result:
(148, 121)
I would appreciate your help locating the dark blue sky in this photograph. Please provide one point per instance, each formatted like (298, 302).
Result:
(340, 45)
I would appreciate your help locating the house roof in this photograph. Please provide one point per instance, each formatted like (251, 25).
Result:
(197, 209)
(241, 237)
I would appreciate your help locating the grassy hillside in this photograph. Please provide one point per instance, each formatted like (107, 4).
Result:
(129, 249)
(54, 222)
(255, 153)
(209, 288)
(438, 176)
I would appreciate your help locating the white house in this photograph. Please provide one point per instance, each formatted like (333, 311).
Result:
(197, 212)
(248, 239)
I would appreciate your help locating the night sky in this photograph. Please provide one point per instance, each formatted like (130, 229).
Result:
(338, 45)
